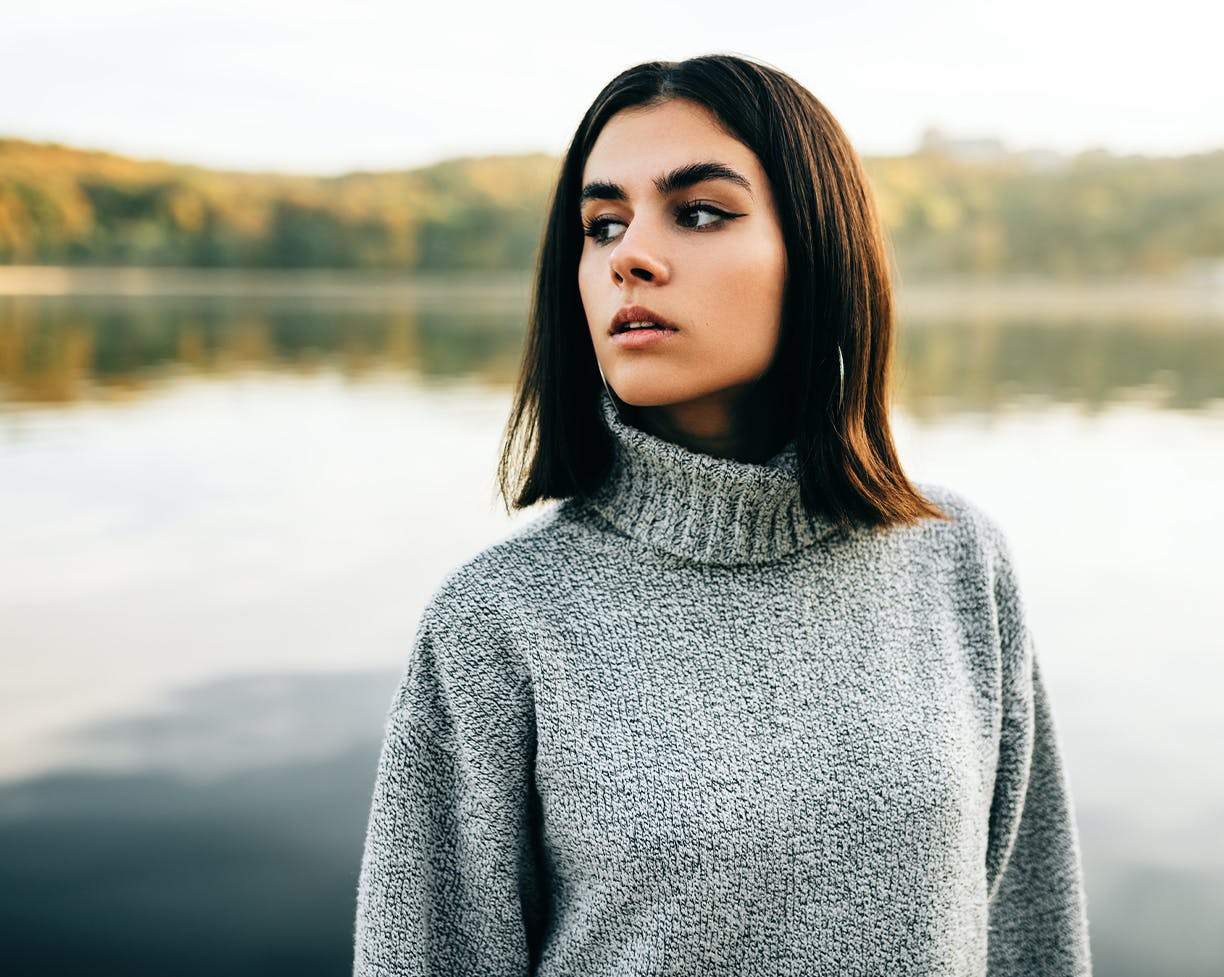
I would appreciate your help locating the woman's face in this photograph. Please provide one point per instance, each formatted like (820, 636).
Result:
(680, 221)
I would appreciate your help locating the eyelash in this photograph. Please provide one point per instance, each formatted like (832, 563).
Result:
(593, 227)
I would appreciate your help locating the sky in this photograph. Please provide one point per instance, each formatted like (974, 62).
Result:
(369, 84)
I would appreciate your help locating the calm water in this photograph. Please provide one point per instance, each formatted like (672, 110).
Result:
(219, 518)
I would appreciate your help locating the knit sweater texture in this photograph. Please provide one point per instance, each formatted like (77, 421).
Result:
(683, 727)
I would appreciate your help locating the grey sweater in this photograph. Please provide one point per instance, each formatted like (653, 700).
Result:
(684, 728)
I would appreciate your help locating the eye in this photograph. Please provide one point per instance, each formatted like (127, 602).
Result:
(698, 215)
(596, 229)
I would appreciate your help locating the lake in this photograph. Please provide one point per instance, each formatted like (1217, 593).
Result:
(225, 499)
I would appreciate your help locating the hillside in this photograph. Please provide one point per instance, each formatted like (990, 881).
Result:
(1084, 216)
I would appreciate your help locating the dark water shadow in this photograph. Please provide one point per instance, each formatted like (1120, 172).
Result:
(244, 861)
(223, 835)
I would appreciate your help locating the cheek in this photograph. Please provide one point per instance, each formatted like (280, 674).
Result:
(746, 303)
(748, 288)
(586, 286)
(766, 266)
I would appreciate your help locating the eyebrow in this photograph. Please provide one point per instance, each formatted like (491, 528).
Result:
(678, 179)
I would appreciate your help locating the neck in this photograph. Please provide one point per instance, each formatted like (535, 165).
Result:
(698, 507)
(740, 424)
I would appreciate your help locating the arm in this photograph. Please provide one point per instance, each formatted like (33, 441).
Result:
(448, 881)
(1037, 910)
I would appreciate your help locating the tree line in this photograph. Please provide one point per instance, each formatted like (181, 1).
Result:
(1087, 215)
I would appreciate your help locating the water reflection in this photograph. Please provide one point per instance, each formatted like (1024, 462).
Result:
(955, 367)
(60, 351)
(235, 724)
(226, 840)
(207, 589)
(64, 349)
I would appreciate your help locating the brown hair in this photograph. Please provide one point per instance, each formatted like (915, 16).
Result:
(838, 294)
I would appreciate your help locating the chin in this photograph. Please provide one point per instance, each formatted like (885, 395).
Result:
(664, 391)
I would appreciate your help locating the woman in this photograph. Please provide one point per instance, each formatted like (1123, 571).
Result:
(744, 701)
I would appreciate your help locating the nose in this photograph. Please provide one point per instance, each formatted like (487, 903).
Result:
(638, 254)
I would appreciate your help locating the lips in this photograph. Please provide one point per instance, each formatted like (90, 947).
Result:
(638, 313)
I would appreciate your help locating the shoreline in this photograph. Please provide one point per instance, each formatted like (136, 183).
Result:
(1186, 295)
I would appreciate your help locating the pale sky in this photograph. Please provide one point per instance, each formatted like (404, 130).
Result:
(370, 84)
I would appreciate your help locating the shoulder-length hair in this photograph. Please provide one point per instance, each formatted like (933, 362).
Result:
(838, 294)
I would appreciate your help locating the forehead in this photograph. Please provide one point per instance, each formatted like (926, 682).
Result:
(638, 144)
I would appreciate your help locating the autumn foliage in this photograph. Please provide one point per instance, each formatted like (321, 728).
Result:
(1089, 215)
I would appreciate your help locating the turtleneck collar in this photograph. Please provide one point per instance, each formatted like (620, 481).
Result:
(698, 506)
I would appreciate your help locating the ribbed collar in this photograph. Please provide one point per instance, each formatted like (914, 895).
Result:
(694, 505)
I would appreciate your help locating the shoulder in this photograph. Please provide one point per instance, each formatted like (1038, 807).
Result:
(971, 531)
(983, 557)
(498, 583)
(471, 635)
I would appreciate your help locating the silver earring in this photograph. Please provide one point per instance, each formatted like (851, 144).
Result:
(841, 377)
(611, 395)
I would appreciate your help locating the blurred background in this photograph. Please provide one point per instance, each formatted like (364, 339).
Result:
(264, 270)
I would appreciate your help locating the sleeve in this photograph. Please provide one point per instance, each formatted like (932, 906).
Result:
(1037, 912)
(448, 883)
